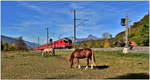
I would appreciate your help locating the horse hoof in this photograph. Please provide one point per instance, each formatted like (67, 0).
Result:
(92, 68)
(79, 66)
(86, 67)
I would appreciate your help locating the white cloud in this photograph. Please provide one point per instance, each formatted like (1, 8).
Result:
(34, 7)
(64, 28)
(68, 28)
(76, 6)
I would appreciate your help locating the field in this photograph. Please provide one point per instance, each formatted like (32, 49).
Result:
(110, 65)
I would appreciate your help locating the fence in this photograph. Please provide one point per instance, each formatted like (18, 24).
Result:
(134, 50)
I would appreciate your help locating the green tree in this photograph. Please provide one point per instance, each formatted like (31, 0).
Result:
(144, 35)
(107, 35)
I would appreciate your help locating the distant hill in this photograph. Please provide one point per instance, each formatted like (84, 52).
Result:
(89, 37)
(10, 40)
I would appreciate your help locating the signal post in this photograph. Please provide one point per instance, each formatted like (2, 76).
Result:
(124, 22)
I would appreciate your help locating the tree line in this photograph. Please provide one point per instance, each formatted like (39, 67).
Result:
(19, 45)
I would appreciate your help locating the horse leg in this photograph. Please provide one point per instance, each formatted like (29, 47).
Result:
(43, 53)
(53, 52)
(87, 63)
(71, 62)
(49, 53)
(78, 63)
(91, 66)
(91, 62)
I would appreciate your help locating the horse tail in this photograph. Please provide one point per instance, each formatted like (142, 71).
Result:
(93, 58)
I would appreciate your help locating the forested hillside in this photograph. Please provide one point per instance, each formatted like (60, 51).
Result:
(139, 32)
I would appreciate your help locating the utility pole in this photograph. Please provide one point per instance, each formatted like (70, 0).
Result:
(126, 33)
(38, 41)
(75, 25)
(74, 39)
(47, 34)
(129, 28)
(124, 22)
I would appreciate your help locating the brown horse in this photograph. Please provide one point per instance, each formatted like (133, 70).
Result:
(80, 54)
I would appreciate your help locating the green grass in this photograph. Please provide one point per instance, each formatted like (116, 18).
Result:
(31, 65)
(120, 54)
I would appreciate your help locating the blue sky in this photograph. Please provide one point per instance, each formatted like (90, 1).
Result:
(31, 18)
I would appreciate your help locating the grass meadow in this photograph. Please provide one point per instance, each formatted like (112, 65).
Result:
(110, 65)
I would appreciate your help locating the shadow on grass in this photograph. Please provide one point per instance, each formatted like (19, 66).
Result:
(56, 57)
(133, 76)
(97, 67)
(47, 55)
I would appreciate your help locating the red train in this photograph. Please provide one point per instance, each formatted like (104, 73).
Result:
(59, 44)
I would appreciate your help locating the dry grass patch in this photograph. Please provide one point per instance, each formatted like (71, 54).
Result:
(31, 65)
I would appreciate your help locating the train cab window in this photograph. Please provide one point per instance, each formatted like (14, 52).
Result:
(70, 41)
(66, 41)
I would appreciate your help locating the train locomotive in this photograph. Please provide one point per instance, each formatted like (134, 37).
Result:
(59, 44)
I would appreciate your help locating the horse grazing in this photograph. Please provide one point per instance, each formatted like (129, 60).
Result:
(80, 54)
(48, 51)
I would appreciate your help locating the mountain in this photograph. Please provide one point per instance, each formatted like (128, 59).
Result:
(6, 39)
(10, 40)
(90, 37)
(31, 44)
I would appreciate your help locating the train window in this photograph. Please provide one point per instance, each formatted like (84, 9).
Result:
(70, 41)
(66, 41)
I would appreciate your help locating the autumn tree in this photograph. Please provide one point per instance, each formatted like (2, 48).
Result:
(6, 46)
(107, 44)
(20, 44)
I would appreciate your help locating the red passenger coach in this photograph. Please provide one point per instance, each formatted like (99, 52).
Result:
(59, 44)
